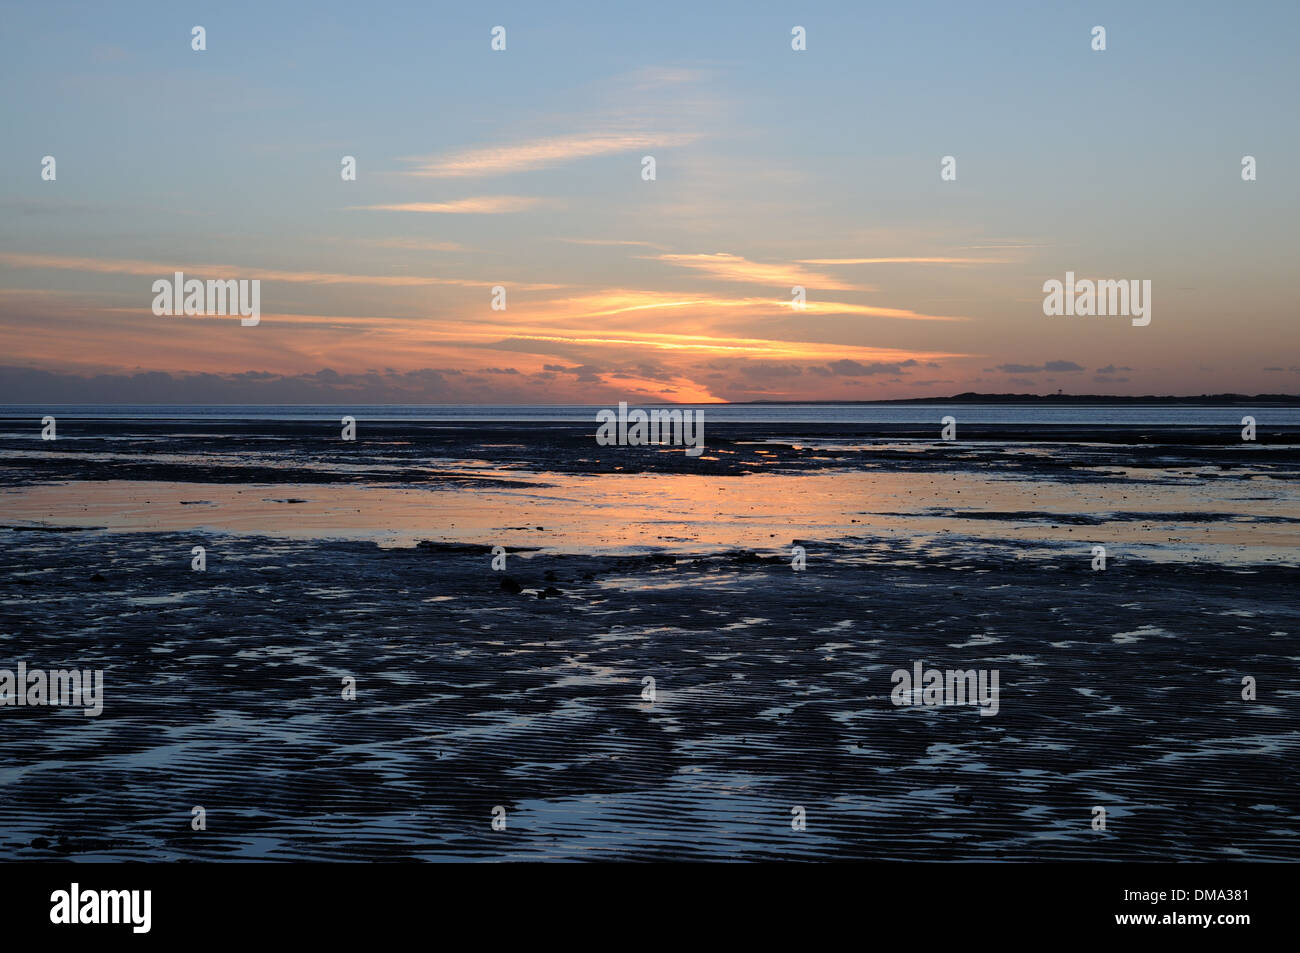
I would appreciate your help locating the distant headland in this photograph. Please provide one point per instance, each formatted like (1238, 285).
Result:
(970, 397)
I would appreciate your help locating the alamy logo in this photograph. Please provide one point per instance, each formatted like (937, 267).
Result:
(58, 688)
(194, 297)
(932, 687)
(75, 905)
(674, 428)
(1106, 297)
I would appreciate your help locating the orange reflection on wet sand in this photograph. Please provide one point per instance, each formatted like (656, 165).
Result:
(631, 512)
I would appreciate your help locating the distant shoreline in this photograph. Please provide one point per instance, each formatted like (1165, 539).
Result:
(969, 397)
(1207, 400)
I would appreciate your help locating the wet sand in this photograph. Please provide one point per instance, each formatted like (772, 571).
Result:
(476, 688)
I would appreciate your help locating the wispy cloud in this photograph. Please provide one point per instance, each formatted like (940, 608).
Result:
(873, 311)
(734, 268)
(725, 346)
(623, 301)
(904, 261)
(155, 269)
(482, 205)
(538, 153)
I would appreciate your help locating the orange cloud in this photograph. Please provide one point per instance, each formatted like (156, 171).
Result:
(133, 340)
(729, 346)
(621, 301)
(537, 153)
(872, 311)
(165, 270)
(483, 205)
(904, 261)
(734, 268)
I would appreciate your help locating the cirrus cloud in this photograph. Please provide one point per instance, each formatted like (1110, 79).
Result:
(481, 205)
(537, 154)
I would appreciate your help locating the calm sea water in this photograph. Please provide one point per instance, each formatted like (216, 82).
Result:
(1133, 414)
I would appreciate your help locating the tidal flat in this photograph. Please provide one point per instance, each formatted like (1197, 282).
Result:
(524, 688)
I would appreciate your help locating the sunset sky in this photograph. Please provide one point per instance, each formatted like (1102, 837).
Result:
(522, 168)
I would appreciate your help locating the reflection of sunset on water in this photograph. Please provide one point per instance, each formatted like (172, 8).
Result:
(646, 511)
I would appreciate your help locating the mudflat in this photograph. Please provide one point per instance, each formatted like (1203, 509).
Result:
(525, 688)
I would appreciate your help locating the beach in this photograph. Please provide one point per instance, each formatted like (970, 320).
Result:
(770, 588)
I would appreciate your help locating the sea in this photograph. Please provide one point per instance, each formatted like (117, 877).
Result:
(1192, 415)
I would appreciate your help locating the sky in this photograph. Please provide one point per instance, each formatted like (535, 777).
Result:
(523, 169)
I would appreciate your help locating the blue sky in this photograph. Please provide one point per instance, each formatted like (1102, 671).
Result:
(1115, 164)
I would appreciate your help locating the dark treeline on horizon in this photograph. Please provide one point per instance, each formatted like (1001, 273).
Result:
(967, 397)
(970, 397)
